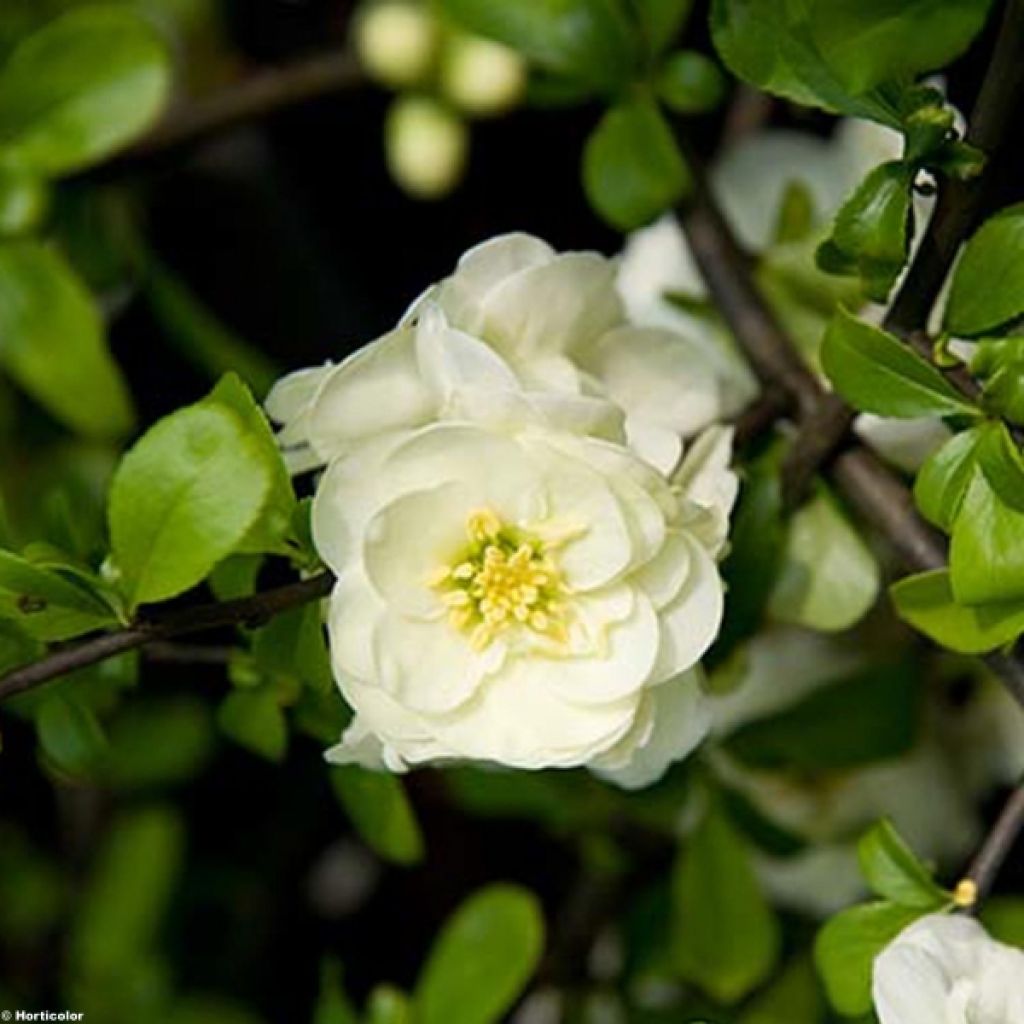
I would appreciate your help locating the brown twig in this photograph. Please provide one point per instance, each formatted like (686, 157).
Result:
(960, 207)
(253, 610)
(997, 846)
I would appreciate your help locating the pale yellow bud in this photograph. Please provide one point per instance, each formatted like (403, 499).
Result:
(481, 77)
(396, 41)
(426, 146)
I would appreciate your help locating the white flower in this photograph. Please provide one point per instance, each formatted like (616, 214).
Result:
(524, 596)
(947, 970)
(516, 317)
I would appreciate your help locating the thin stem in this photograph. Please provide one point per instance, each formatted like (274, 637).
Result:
(251, 611)
(998, 845)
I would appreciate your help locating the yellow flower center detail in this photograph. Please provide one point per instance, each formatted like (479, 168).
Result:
(503, 579)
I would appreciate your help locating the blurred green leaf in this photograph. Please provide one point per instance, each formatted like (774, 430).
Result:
(926, 601)
(726, 938)
(793, 998)
(389, 1005)
(1003, 918)
(632, 168)
(70, 736)
(894, 872)
(877, 373)
(332, 1004)
(24, 200)
(294, 644)
(847, 945)
(184, 497)
(988, 282)
(210, 1010)
(235, 577)
(870, 716)
(33, 891)
(82, 87)
(483, 958)
(828, 579)
(662, 21)
(945, 476)
(51, 342)
(589, 41)
(254, 719)
(690, 83)
(986, 557)
(380, 811)
(128, 891)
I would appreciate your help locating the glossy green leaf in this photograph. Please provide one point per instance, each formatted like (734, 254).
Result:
(926, 601)
(829, 578)
(877, 373)
(690, 83)
(483, 958)
(588, 41)
(70, 736)
(986, 557)
(632, 168)
(894, 872)
(725, 935)
(52, 343)
(380, 811)
(871, 716)
(82, 87)
(184, 497)
(253, 719)
(988, 282)
(847, 945)
(945, 476)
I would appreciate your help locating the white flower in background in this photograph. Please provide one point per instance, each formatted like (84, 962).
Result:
(947, 970)
(523, 596)
(750, 181)
(515, 318)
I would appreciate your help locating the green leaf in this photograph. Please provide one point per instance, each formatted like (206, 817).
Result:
(988, 282)
(388, 1005)
(70, 736)
(128, 892)
(46, 604)
(632, 169)
(184, 497)
(1003, 918)
(945, 476)
(894, 872)
(873, 227)
(926, 601)
(274, 525)
(726, 938)
(794, 998)
(82, 87)
(986, 558)
(294, 645)
(869, 42)
(847, 945)
(829, 578)
(333, 1005)
(589, 41)
(690, 83)
(870, 716)
(662, 21)
(379, 809)
(877, 373)
(52, 343)
(483, 958)
(24, 201)
(253, 719)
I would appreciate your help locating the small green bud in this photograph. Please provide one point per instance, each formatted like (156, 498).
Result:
(426, 145)
(480, 77)
(396, 41)
(690, 83)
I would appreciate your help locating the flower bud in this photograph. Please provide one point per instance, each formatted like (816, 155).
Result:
(481, 77)
(396, 42)
(426, 147)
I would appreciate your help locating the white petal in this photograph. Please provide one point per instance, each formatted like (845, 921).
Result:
(658, 445)
(681, 718)
(290, 397)
(550, 309)
(662, 577)
(690, 623)
(904, 443)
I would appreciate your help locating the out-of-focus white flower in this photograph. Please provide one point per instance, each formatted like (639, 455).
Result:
(481, 77)
(426, 146)
(516, 324)
(750, 181)
(519, 595)
(946, 970)
(396, 41)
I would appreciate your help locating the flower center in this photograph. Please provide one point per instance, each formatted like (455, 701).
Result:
(504, 578)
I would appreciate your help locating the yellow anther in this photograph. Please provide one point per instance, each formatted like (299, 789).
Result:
(965, 894)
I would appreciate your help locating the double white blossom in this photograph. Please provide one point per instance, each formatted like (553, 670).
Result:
(946, 970)
(526, 566)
